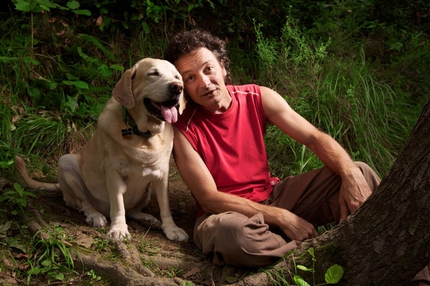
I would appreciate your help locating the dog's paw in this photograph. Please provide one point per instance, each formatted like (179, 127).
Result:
(119, 231)
(96, 220)
(175, 233)
(146, 220)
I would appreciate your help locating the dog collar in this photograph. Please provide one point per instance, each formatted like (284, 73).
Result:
(131, 126)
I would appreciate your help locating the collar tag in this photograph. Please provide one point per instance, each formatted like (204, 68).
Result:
(127, 132)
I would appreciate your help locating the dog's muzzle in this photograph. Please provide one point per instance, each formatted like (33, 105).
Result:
(166, 110)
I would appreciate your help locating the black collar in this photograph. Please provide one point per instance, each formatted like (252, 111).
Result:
(131, 126)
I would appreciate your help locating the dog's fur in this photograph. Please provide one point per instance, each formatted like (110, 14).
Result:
(112, 173)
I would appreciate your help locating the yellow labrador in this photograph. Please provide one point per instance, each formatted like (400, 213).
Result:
(112, 173)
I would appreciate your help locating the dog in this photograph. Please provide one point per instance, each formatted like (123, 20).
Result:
(128, 155)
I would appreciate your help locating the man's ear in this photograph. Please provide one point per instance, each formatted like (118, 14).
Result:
(224, 71)
(123, 90)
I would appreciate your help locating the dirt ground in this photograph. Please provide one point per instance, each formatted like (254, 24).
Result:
(148, 258)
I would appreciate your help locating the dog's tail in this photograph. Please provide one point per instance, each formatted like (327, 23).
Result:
(20, 166)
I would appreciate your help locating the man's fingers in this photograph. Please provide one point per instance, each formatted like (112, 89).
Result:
(343, 211)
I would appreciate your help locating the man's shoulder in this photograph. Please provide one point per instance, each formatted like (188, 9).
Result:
(245, 89)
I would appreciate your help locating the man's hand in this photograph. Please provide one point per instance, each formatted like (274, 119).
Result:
(354, 191)
(295, 227)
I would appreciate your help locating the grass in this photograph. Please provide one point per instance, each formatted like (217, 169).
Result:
(53, 90)
(343, 97)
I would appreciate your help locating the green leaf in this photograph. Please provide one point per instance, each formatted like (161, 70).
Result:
(46, 263)
(77, 83)
(34, 92)
(73, 5)
(117, 67)
(231, 279)
(300, 281)
(23, 6)
(34, 271)
(46, 8)
(104, 70)
(333, 274)
(71, 77)
(69, 104)
(48, 4)
(82, 54)
(15, 245)
(4, 228)
(82, 12)
(46, 169)
(304, 268)
(145, 27)
(4, 164)
(58, 276)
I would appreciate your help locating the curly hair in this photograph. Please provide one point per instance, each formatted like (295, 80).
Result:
(189, 41)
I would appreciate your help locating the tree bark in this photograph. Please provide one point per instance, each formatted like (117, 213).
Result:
(387, 240)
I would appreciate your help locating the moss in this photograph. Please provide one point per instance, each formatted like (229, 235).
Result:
(332, 252)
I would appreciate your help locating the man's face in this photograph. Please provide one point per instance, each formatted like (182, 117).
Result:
(203, 78)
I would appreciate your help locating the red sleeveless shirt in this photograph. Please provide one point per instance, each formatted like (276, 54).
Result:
(232, 143)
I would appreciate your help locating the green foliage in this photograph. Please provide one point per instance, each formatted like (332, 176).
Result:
(279, 276)
(94, 277)
(15, 199)
(49, 256)
(38, 6)
(4, 228)
(332, 276)
(358, 70)
(340, 95)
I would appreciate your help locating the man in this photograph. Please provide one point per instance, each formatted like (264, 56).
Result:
(246, 218)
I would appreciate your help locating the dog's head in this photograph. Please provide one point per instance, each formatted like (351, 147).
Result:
(156, 86)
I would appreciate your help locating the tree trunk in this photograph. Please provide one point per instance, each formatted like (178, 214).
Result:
(387, 240)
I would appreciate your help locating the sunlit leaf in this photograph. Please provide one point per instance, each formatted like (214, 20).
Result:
(304, 268)
(333, 274)
(300, 281)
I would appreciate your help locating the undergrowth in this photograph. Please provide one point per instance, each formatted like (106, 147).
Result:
(344, 97)
(358, 79)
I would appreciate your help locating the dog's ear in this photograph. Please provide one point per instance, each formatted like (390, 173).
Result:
(123, 90)
(182, 103)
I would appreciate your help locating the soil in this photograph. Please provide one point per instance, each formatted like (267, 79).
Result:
(148, 258)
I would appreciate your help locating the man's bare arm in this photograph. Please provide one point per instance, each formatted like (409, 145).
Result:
(200, 182)
(354, 190)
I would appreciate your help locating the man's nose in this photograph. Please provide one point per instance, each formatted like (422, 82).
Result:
(204, 81)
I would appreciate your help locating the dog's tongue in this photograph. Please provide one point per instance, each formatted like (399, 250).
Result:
(170, 114)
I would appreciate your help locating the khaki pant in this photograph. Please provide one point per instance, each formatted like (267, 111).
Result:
(235, 239)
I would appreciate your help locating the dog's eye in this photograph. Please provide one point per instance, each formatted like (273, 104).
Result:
(178, 77)
(154, 73)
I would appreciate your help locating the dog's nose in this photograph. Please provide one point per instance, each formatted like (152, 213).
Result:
(176, 87)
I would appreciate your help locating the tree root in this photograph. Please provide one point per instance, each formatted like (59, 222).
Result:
(116, 272)
(131, 270)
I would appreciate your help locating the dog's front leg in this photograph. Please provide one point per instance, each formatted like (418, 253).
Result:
(167, 224)
(116, 189)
